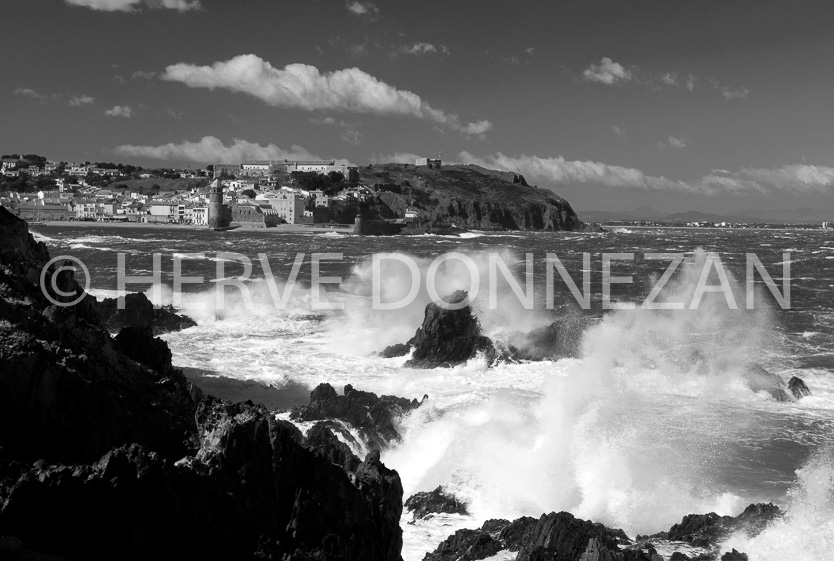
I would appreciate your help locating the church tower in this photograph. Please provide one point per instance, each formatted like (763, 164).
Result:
(215, 208)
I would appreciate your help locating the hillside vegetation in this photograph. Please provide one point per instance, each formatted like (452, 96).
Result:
(467, 196)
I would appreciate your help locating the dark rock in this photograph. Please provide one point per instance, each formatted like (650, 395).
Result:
(678, 556)
(374, 416)
(465, 545)
(135, 463)
(448, 337)
(322, 440)
(139, 312)
(139, 344)
(756, 518)
(758, 379)
(562, 536)
(400, 349)
(249, 488)
(513, 533)
(798, 388)
(734, 556)
(437, 501)
(493, 526)
(697, 529)
(13, 549)
(705, 530)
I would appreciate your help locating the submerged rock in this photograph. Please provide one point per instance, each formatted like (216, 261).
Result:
(758, 379)
(560, 339)
(798, 388)
(425, 504)
(734, 556)
(139, 312)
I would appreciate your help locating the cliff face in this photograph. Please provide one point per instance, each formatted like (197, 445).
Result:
(467, 197)
(107, 451)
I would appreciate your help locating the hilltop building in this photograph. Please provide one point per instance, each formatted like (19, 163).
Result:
(433, 162)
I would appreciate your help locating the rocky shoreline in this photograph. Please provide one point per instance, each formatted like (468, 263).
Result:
(107, 450)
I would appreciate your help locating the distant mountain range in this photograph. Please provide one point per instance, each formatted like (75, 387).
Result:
(770, 216)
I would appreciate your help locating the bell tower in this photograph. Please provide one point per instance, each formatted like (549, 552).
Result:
(215, 208)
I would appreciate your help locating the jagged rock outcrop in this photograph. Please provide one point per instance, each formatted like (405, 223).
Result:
(560, 535)
(107, 452)
(563, 537)
(249, 488)
(375, 417)
(449, 337)
(707, 530)
(66, 393)
(798, 388)
(426, 503)
(139, 312)
(553, 537)
(446, 337)
(465, 545)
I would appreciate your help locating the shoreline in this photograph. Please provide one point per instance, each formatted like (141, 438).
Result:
(287, 228)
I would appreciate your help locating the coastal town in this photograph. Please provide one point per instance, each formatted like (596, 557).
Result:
(253, 193)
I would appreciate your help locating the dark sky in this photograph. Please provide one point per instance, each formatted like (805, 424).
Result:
(703, 104)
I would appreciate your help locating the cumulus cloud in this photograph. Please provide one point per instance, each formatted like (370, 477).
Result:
(120, 111)
(422, 48)
(302, 86)
(142, 75)
(796, 177)
(32, 94)
(669, 79)
(676, 142)
(608, 72)
(366, 9)
(619, 131)
(134, 5)
(210, 149)
(78, 100)
(612, 73)
(802, 179)
(478, 128)
(73, 100)
(731, 93)
(560, 171)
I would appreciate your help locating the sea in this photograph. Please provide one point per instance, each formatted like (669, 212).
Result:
(651, 420)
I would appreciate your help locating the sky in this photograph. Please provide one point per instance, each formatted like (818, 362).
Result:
(710, 105)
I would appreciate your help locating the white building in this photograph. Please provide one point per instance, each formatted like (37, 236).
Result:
(290, 207)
